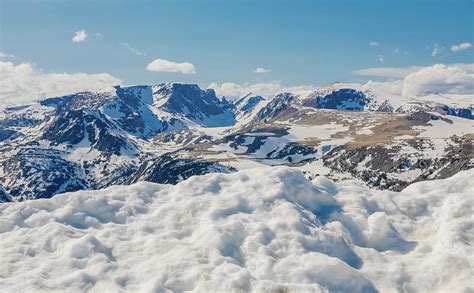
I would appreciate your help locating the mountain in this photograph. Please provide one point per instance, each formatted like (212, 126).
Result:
(246, 107)
(92, 140)
(338, 97)
(166, 133)
(200, 106)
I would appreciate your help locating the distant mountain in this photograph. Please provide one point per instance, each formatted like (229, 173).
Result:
(348, 99)
(167, 132)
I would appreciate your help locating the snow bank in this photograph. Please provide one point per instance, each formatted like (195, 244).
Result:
(260, 229)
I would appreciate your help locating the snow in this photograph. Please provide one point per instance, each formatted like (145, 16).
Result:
(323, 132)
(263, 229)
(440, 129)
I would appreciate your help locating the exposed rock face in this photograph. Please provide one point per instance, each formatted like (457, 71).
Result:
(293, 152)
(344, 99)
(201, 106)
(167, 169)
(3, 195)
(376, 164)
(279, 105)
(35, 173)
(248, 103)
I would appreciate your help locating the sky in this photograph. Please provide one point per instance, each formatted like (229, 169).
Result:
(284, 43)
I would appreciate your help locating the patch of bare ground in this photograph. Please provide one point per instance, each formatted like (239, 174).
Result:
(387, 126)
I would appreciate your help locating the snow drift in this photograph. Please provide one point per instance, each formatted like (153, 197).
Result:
(259, 229)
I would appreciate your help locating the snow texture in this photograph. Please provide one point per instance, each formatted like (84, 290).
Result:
(264, 229)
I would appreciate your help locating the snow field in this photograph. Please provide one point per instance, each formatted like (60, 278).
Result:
(255, 230)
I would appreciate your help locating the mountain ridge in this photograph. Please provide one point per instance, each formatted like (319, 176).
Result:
(92, 140)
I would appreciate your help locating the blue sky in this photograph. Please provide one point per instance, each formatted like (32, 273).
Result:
(301, 42)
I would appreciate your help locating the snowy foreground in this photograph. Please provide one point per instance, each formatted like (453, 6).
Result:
(259, 229)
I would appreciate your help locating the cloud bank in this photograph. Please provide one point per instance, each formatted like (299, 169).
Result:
(161, 65)
(268, 89)
(23, 83)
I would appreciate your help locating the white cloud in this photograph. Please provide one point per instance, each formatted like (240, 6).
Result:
(460, 47)
(381, 58)
(469, 67)
(396, 50)
(299, 89)
(439, 78)
(269, 89)
(385, 88)
(455, 78)
(396, 72)
(79, 36)
(161, 65)
(133, 50)
(233, 90)
(409, 81)
(373, 44)
(6, 55)
(24, 83)
(261, 70)
(402, 72)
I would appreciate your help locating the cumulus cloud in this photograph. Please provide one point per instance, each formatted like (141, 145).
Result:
(24, 83)
(439, 78)
(381, 58)
(268, 89)
(388, 88)
(161, 65)
(373, 44)
(6, 55)
(261, 70)
(455, 78)
(460, 47)
(79, 36)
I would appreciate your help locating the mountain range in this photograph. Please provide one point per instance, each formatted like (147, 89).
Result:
(166, 133)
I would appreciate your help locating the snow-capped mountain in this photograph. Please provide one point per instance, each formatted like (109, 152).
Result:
(167, 132)
(338, 97)
(92, 140)
(246, 106)
(200, 106)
